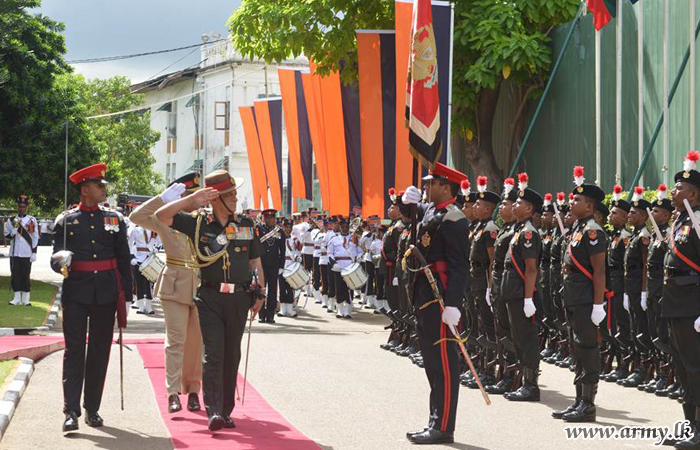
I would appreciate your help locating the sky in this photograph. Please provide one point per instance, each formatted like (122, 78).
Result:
(99, 28)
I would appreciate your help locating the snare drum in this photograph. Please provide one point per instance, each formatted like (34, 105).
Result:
(296, 276)
(354, 276)
(151, 267)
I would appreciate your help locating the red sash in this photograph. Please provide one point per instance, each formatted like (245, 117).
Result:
(678, 253)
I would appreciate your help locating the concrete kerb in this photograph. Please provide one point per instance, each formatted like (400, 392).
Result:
(50, 321)
(12, 395)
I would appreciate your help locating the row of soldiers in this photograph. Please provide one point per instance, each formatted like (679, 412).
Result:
(610, 292)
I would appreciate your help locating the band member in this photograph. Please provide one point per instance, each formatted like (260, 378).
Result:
(141, 243)
(272, 240)
(291, 255)
(95, 260)
(442, 238)
(228, 251)
(318, 237)
(584, 289)
(176, 287)
(518, 288)
(342, 250)
(23, 233)
(323, 263)
(307, 251)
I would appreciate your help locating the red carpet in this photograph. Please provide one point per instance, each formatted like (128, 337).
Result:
(258, 425)
(33, 347)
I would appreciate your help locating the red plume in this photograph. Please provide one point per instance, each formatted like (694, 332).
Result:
(617, 189)
(560, 196)
(693, 155)
(509, 181)
(392, 191)
(465, 184)
(523, 178)
(548, 197)
(571, 197)
(662, 187)
(578, 171)
(481, 180)
(639, 190)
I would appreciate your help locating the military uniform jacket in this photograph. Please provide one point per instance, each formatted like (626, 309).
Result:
(485, 235)
(500, 250)
(177, 282)
(94, 234)
(525, 244)
(619, 239)
(273, 248)
(636, 260)
(443, 238)
(402, 246)
(24, 238)
(587, 239)
(239, 237)
(655, 263)
(681, 292)
(391, 242)
(546, 257)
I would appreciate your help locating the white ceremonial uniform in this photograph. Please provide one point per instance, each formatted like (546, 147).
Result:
(141, 245)
(23, 233)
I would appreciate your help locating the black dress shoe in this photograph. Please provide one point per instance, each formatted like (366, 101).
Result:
(216, 422)
(229, 423)
(432, 436)
(413, 433)
(262, 320)
(501, 387)
(193, 402)
(71, 422)
(526, 393)
(633, 380)
(271, 320)
(174, 403)
(92, 419)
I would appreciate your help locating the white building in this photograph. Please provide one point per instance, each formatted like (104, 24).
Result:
(196, 112)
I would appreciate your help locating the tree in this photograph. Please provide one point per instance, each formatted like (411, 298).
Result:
(494, 40)
(122, 141)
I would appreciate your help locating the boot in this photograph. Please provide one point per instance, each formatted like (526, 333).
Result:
(529, 391)
(317, 297)
(371, 302)
(17, 299)
(324, 301)
(570, 408)
(363, 299)
(694, 442)
(25, 299)
(291, 311)
(633, 380)
(585, 412)
(341, 310)
(501, 387)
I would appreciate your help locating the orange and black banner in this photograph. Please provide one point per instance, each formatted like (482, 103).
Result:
(255, 158)
(376, 54)
(268, 114)
(296, 120)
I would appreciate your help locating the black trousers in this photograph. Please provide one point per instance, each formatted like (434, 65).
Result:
(331, 281)
(270, 305)
(484, 313)
(342, 293)
(442, 367)
(525, 335)
(21, 269)
(143, 286)
(76, 367)
(371, 286)
(584, 343)
(502, 324)
(222, 319)
(638, 323)
(546, 293)
(391, 292)
(658, 326)
(308, 261)
(686, 341)
(286, 291)
(317, 274)
(380, 285)
(325, 282)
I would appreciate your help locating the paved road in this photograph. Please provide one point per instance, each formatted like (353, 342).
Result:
(329, 378)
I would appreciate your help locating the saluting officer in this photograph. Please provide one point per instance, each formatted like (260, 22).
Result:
(442, 237)
(228, 251)
(23, 233)
(681, 290)
(95, 260)
(584, 289)
(272, 241)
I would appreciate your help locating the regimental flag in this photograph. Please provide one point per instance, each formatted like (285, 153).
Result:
(296, 122)
(603, 11)
(376, 65)
(255, 158)
(268, 114)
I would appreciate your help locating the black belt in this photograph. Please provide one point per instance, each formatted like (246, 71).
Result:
(670, 273)
(478, 265)
(655, 267)
(632, 267)
(498, 267)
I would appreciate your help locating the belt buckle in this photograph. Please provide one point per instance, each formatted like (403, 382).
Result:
(227, 288)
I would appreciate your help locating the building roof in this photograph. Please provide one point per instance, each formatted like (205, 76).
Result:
(164, 80)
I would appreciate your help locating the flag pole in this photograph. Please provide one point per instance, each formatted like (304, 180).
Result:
(692, 75)
(640, 86)
(597, 108)
(618, 94)
(448, 145)
(666, 81)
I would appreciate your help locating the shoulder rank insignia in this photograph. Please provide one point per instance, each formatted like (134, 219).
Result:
(592, 234)
(528, 234)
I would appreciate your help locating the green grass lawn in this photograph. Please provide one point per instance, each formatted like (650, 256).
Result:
(6, 368)
(25, 316)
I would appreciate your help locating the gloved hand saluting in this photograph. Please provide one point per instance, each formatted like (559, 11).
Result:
(412, 196)
(173, 192)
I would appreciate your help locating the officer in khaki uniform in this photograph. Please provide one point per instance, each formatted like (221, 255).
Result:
(176, 287)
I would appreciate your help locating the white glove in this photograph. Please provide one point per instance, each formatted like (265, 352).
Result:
(529, 308)
(626, 302)
(395, 281)
(32, 258)
(412, 195)
(697, 325)
(12, 229)
(598, 314)
(488, 296)
(644, 301)
(451, 315)
(280, 272)
(133, 261)
(173, 193)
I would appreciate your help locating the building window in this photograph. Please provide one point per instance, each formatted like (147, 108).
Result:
(167, 172)
(221, 115)
(171, 145)
(173, 171)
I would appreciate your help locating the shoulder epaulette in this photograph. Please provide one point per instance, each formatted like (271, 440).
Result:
(453, 214)
(60, 217)
(491, 226)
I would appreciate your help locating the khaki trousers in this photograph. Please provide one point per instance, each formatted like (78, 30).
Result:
(183, 348)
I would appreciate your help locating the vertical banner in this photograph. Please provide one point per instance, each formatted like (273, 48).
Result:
(442, 25)
(315, 113)
(350, 96)
(268, 114)
(376, 57)
(255, 159)
(299, 141)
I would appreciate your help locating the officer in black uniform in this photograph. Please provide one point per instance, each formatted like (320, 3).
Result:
(584, 290)
(228, 249)
(681, 291)
(442, 238)
(389, 249)
(636, 288)
(544, 286)
(95, 260)
(518, 287)
(272, 241)
(470, 320)
(618, 321)
(555, 278)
